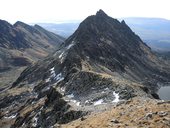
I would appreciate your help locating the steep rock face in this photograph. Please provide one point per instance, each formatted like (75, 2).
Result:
(21, 44)
(101, 64)
(115, 46)
(39, 36)
(104, 45)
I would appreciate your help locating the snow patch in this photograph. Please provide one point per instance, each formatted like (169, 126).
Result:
(61, 55)
(59, 77)
(86, 101)
(23, 124)
(52, 72)
(62, 89)
(78, 103)
(52, 69)
(46, 88)
(35, 121)
(103, 92)
(48, 117)
(74, 101)
(11, 117)
(116, 95)
(106, 89)
(98, 102)
(68, 47)
(33, 102)
(70, 96)
(47, 80)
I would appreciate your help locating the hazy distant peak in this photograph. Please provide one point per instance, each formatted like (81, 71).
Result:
(19, 23)
(38, 27)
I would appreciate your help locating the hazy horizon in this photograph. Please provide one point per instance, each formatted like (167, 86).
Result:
(55, 11)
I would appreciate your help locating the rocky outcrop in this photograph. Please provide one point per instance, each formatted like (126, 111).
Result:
(135, 113)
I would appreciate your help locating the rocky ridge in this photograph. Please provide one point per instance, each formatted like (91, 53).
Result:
(22, 44)
(103, 63)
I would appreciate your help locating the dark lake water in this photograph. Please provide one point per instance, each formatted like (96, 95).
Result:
(164, 93)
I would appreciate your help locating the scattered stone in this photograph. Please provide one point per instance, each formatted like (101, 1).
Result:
(166, 121)
(115, 121)
(57, 126)
(126, 125)
(148, 116)
(167, 118)
(162, 113)
(127, 101)
(164, 102)
(83, 118)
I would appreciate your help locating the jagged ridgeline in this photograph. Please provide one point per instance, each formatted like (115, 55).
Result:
(22, 44)
(102, 63)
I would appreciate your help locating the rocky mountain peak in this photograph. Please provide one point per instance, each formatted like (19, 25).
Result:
(101, 30)
(5, 27)
(4, 23)
(19, 23)
(123, 22)
(101, 13)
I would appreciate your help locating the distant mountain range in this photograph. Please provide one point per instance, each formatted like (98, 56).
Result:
(154, 31)
(22, 44)
(64, 29)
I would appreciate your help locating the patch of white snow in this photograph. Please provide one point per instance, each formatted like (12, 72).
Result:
(78, 103)
(62, 89)
(74, 101)
(106, 89)
(116, 95)
(35, 120)
(86, 101)
(68, 47)
(47, 80)
(58, 78)
(61, 55)
(98, 102)
(52, 72)
(103, 92)
(10, 117)
(70, 96)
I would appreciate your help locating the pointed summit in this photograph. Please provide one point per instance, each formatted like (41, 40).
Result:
(101, 13)
(20, 24)
(123, 22)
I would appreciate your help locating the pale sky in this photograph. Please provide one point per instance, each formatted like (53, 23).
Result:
(40, 11)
